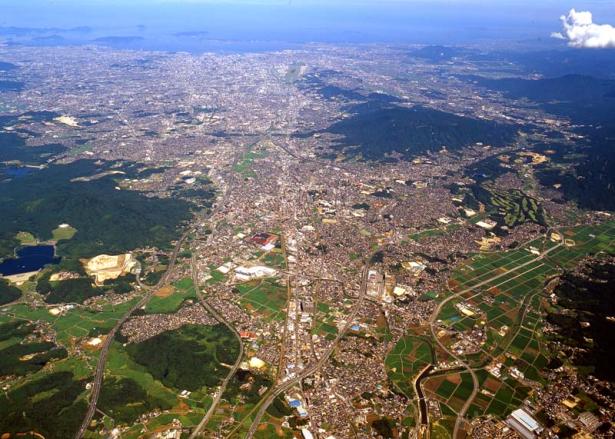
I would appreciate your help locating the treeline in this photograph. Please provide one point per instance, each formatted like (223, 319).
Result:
(79, 289)
(188, 357)
(107, 220)
(8, 292)
(375, 133)
(13, 360)
(48, 406)
(125, 400)
(587, 296)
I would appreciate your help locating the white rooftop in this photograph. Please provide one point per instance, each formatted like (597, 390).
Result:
(525, 419)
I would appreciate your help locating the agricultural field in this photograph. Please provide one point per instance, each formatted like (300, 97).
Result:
(19, 357)
(500, 295)
(406, 361)
(274, 259)
(74, 325)
(423, 235)
(56, 371)
(216, 276)
(324, 321)
(244, 166)
(266, 298)
(170, 298)
(240, 402)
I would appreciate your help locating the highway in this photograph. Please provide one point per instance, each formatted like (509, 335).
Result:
(434, 316)
(102, 359)
(232, 181)
(309, 370)
(218, 396)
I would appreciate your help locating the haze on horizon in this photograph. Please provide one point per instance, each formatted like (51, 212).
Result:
(300, 21)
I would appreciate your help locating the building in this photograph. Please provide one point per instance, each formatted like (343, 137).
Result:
(256, 272)
(266, 241)
(524, 424)
(487, 224)
(589, 421)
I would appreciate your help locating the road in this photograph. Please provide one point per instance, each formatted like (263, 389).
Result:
(434, 316)
(218, 396)
(309, 370)
(102, 359)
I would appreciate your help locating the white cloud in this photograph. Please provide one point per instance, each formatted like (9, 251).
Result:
(580, 31)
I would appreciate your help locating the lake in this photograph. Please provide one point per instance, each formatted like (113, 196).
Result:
(16, 171)
(29, 258)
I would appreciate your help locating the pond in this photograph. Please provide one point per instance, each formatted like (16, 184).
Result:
(29, 258)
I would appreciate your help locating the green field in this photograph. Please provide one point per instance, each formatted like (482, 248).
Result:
(244, 166)
(149, 375)
(441, 231)
(162, 304)
(406, 360)
(26, 238)
(53, 397)
(266, 298)
(61, 233)
(75, 323)
(324, 321)
(505, 289)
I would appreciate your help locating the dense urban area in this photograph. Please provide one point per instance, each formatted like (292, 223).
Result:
(327, 242)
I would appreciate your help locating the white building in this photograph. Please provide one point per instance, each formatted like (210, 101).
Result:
(524, 424)
(256, 272)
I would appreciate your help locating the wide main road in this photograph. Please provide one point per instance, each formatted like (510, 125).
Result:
(312, 368)
(102, 359)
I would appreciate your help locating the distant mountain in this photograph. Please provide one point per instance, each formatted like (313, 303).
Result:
(49, 40)
(192, 34)
(548, 63)
(586, 101)
(556, 63)
(376, 131)
(118, 40)
(583, 98)
(11, 86)
(7, 66)
(26, 31)
(439, 53)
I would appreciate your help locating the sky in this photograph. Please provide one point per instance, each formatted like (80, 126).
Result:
(300, 21)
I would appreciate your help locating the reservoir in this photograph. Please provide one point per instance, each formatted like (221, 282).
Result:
(29, 258)
(17, 171)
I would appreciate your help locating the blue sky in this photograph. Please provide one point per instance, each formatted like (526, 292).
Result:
(403, 21)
